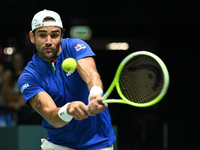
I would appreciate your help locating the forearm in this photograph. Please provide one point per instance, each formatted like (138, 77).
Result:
(45, 106)
(53, 118)
(88, 72)
(94, 80)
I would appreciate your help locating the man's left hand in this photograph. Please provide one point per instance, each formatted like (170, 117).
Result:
(96, 105)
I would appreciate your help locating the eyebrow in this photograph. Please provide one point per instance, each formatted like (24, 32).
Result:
(46, 31)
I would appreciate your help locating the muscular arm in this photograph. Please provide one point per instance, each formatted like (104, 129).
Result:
(46, 107)
(87, 70)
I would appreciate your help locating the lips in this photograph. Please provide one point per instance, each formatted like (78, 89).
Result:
(48, 49)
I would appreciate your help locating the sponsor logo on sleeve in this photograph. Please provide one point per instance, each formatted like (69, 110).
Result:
(24, 87)
(78, 47)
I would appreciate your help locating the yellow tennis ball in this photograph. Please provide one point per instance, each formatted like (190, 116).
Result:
(69, 64)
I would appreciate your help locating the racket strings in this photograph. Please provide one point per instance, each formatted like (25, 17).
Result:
(141, 79)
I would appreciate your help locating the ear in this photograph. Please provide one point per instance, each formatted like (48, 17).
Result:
(32, 37)
(62, 36)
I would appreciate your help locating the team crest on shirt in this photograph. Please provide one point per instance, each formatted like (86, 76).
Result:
(78, 47)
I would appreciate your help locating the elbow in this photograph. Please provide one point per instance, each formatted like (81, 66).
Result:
(58, 124)
(55, 121)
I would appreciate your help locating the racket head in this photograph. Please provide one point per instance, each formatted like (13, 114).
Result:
(141, 80)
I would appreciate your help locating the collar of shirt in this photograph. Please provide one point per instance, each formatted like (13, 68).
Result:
(42, 65)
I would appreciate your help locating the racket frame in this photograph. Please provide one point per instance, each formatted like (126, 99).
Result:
(115, 82)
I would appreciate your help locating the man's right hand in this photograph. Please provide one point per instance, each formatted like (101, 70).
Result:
(78, 110)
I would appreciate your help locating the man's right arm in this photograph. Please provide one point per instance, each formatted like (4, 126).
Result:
(45, 106)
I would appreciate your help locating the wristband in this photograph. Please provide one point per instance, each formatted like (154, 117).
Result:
(62, 113)
(95, 90)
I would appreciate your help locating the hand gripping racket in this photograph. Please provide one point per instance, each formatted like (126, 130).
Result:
(141, 80)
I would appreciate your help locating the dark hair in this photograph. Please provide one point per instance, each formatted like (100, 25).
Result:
(48, 18)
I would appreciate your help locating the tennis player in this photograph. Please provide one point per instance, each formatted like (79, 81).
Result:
(70, 103)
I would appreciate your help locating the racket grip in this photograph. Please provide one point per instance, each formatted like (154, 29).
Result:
(113, 101)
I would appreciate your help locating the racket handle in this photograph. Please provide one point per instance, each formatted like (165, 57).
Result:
(113, 101)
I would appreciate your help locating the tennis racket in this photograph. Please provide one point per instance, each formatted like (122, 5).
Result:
(141, 80)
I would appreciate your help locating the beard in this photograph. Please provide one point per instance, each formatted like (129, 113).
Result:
(48, 53)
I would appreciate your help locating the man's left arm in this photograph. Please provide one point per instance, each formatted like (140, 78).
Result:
(87, 69)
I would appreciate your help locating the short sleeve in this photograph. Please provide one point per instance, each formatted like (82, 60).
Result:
(78, 49)
(29, 86)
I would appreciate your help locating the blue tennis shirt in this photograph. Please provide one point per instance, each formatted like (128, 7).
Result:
(92, 133)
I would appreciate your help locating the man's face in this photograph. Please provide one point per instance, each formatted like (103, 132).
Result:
(47, 41)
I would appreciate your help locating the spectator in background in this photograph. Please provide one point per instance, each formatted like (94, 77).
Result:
(5, 112)
(1, 75)
(1, 80)
(12, 95)
(11, 92)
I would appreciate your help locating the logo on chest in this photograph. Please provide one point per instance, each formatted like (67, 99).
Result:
(69, 73)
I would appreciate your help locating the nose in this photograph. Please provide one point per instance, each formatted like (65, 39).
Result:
(48, 41)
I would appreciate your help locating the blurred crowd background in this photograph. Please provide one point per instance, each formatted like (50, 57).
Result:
(169, 29)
